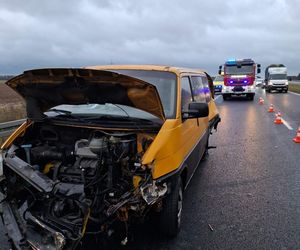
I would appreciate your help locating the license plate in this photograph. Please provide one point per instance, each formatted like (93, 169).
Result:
(238, 90)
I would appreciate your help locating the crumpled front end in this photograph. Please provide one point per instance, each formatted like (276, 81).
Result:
(61, 185)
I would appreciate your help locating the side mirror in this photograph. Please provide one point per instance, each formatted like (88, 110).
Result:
(258, 68)
(220, 70)
(196, 110)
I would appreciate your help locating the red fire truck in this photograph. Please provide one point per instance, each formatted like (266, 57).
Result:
(239, 78)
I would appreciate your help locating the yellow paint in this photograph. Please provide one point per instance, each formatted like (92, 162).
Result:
(213, 111)
(176, 138)
(136, 180)
(217, 83)
(173, 143)
(47, 167)
(19, 132)
(85, 221)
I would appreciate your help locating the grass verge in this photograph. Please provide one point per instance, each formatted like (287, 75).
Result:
(294, 88)
(11, 112)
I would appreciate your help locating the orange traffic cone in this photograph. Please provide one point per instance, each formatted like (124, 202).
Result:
(261, 101)
(297, 138)
(271, 109)
(278, 119)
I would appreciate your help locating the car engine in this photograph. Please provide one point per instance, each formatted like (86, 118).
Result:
(69, 183)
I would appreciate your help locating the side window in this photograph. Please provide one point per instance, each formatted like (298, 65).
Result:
(206, 88)
(198, 89)
(186, 95)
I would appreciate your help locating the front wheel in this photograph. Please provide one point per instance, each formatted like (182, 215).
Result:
(225, 97)
(170, 216)
(250, 97)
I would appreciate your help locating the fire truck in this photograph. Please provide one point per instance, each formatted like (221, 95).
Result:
(239, 78)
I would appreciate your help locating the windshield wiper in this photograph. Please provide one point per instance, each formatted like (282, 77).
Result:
(65, 114)
(134, 120)
(60, 111)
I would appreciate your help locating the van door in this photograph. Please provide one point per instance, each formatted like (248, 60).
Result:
(193, 130)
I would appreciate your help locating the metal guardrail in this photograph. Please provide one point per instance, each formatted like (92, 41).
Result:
(297, 82)
(6, 128)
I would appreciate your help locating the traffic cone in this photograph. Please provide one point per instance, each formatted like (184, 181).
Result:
(278, 119)
(261, 101)
(271, 109)
(297, 138)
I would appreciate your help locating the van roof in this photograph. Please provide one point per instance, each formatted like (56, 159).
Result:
(176, 70)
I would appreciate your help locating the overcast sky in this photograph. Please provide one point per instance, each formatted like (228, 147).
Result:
(195, 33)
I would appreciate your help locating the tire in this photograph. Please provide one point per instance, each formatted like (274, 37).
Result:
(251, 97)
(205, 154)
(170, 217)
(225, 97)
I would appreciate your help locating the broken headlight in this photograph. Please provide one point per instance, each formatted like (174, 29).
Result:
(151, 192)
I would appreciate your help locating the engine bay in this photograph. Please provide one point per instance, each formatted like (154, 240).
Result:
(65, 183)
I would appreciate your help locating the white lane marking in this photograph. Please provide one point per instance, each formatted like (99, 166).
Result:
(294, 93)
(287, 124)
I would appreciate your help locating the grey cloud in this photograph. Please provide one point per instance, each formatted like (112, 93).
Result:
(185, 33)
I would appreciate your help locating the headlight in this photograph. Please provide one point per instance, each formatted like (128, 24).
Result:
(151, 192)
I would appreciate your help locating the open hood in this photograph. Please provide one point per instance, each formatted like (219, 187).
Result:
(43, 89)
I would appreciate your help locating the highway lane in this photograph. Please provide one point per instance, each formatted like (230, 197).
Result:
(287, 103)
(248, 190)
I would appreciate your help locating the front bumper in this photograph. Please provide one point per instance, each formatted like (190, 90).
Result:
(38, 235)
(277, 87)
(238, 90)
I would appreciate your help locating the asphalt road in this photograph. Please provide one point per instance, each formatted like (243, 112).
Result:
(246, 195)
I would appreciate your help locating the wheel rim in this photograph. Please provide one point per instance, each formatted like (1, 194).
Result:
(179, 206)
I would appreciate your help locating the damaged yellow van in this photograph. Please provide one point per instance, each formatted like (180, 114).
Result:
(102, 147)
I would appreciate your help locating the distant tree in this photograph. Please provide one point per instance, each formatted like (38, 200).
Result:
(298, 77)
(6, 77)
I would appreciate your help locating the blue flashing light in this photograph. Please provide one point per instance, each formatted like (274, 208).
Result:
(231, 61)
(245, 81)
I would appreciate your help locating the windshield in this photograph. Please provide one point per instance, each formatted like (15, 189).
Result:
(165, 83)
(278, 76)
(238, 70)
(219, 78)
